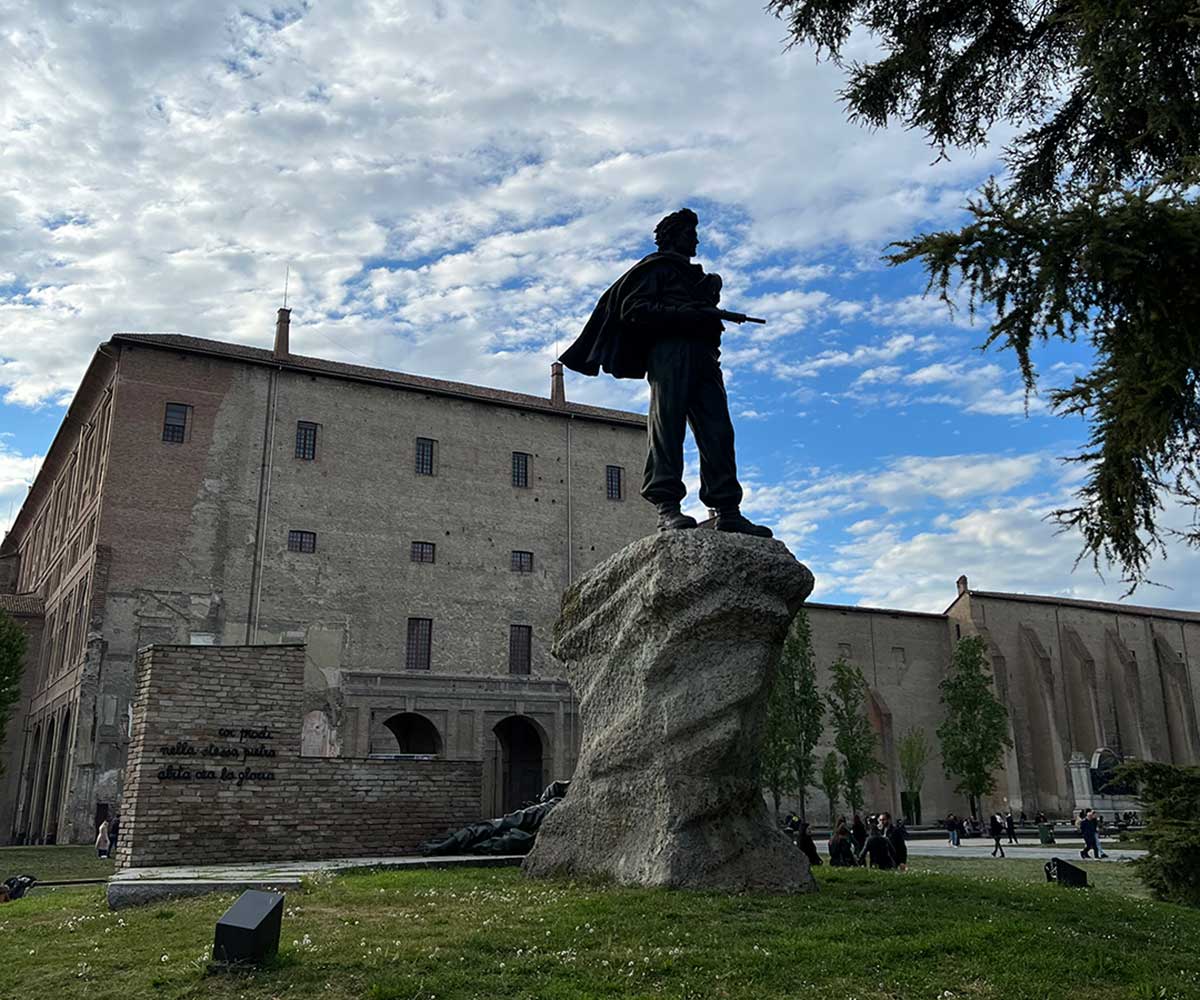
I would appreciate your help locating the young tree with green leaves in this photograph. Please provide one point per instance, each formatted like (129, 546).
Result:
(775, 757)
(794, 714)
(853, 735)
(1095, 231)
(974, 734)
(915, 752)
(807, 706)
(12, 659)
(831, 783)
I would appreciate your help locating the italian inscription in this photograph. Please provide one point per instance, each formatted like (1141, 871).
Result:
(248, 750)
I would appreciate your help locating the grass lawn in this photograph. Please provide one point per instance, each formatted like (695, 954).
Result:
(974, 933)
(51, 864)
(1105, 876)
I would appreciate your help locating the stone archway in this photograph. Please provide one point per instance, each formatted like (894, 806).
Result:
(414, 734)
(521, 775)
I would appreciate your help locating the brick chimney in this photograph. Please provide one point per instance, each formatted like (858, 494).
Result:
(558, 392)
(283, 325)
(962, 584)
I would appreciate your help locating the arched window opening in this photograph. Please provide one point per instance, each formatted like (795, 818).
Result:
(414, 734)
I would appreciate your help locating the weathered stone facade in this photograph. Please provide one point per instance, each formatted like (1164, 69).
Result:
(128, 539)
(132, 539)
(215, 773)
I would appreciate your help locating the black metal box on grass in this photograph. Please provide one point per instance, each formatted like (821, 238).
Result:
(249, 930)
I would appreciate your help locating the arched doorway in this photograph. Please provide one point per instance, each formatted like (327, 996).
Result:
(414, 734)
(521, 777)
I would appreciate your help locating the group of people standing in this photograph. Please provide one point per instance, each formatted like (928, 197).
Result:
(879, 842)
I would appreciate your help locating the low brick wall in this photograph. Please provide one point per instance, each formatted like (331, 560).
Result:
(214, 772)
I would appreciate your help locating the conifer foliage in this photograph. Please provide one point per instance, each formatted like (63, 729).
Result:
(1094, 232)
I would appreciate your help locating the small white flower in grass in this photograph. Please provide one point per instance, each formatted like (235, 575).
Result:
(164, 957)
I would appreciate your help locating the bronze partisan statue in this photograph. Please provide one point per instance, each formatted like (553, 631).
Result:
(660, 321)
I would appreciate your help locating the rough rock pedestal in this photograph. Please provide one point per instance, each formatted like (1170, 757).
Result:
(670, 646)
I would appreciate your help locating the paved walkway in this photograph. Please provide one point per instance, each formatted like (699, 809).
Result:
(132, 886)
(974, 847)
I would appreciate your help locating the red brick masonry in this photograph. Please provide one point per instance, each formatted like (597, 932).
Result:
(215, 774)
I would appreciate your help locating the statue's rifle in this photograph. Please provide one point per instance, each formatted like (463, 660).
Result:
(732, 317)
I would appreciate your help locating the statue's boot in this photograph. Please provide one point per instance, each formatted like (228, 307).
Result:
(671, 518)
(731, 519)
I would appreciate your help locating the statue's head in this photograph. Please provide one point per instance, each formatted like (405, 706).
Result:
(677, 232)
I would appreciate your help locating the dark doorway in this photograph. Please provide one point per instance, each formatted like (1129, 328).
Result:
(414, 734)
(521, 776)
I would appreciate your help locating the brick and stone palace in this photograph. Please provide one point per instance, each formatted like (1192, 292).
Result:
(416, 535)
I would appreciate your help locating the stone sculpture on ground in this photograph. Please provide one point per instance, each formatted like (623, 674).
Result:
(670, 646)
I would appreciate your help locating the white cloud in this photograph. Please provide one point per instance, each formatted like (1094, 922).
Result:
(451, 186)
(17, 473)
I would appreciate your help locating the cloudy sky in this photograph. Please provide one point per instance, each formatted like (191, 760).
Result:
(453, 184)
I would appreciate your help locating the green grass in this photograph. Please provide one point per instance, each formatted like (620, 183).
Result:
(49, 864)
(977, 933)
(1106, 876)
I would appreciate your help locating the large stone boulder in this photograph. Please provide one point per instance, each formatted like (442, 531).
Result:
(670, 646)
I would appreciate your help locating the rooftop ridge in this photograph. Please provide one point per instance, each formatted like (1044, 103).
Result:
(404, 380)
(1075, 602)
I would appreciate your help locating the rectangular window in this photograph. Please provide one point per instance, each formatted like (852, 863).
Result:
(522, 562)
(614, 481)
(302, 541)
(899, 658)
(520, 643)
(420, 637)
(175, 422)
(845, 652)
(424, 466)
(306, 440)
(423, 552)
(520, 469)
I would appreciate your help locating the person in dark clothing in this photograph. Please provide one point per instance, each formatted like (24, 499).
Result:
(1024, 818)
(858, 831)
(1089, 830)
(996, 829)
(1010, 827)
(877, 851)
(805, 842)
(660, 320)
(952, 829)
(897, 836)
(841, 847)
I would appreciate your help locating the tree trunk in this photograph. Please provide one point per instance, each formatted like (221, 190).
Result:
(803, 807)
(775, 796)
(974, 807)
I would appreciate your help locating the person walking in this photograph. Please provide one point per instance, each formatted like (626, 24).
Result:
(1095, 818)
(102, 842)
(1010, 827)
(951, 830)
(1087, 830)
(996, 829)
(841, 848)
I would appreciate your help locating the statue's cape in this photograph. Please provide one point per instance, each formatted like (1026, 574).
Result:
(609, 342)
